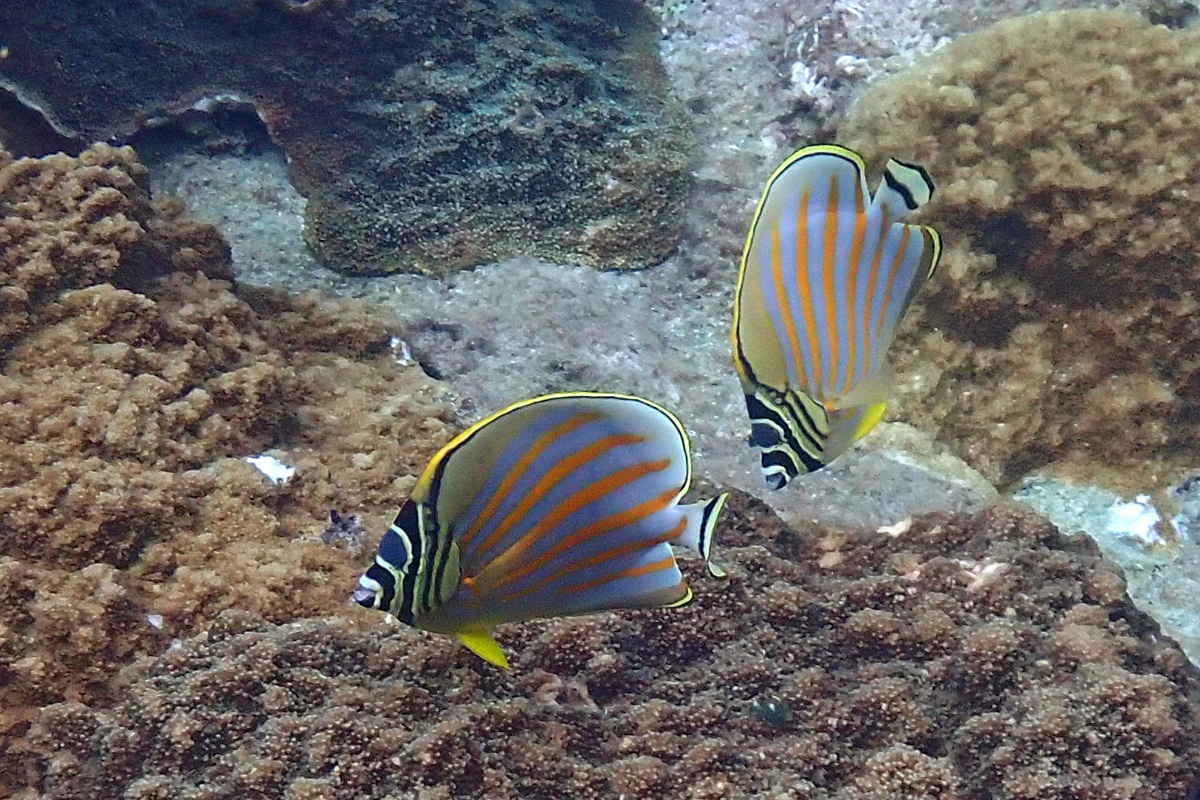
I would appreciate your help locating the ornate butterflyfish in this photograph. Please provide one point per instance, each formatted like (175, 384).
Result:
(827, 273)
(562, 505)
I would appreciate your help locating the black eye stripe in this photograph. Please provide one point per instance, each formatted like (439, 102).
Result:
(408, 518)
(394, 550)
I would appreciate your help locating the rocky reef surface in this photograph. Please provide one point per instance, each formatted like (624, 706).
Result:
(134, 382)
(946, 656)
(1058, 344)
(1060, 333)
(427, 137)
(953, 657)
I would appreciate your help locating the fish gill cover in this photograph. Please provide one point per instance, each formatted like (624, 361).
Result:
(427, 136)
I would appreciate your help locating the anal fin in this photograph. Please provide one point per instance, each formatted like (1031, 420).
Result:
(480, 642)
(870, 419)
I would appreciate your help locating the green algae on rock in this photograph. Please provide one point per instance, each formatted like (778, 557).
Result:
(961, 657)
(1060, 332)
(427, 136)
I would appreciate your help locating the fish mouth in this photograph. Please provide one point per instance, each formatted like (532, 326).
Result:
(365, 596)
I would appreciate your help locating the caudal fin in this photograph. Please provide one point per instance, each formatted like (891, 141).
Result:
(701, 526)
(904, 188)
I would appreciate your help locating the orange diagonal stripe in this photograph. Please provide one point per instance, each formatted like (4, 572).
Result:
(601, 557)
(632, 572)
(860, 232)
(875, 262)
(570, 505)
(551, 479)
(804, 286)
(829, 262)
(893, 271)
(785, 309)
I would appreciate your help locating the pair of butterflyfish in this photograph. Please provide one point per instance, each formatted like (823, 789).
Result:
(561, 505)
(826, 276)
(570, 503)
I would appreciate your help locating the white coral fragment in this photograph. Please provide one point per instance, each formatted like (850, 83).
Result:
(898, 529)
(1137, 520)
(276, 471)
(981, 573)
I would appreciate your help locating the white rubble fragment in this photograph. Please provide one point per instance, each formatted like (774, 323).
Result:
(899, 528)
(1136, 520)
(400, 351)
(276, 471)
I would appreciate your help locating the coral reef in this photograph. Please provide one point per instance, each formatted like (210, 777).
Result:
(1161, 562)
(788, 71)
(134, 380)
(427, 137)
(954, 657)
(69, 224)
(1059, 334)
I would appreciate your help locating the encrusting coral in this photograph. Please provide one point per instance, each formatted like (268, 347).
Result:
(955, 657)
(1060, 331)
(427, 137)
(134, 380)
(788, 71)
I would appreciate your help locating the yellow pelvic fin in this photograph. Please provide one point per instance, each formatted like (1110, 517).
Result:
(480, 642)
(869, 421)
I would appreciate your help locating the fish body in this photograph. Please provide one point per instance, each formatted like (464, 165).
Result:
(562, 505)
(827, 274)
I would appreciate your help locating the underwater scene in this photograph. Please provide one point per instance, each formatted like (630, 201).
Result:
(599, 400)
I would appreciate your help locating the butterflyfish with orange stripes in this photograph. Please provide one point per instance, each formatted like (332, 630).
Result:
(827, 274)
(561, 505)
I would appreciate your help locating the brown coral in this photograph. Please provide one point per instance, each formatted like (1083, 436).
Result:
(855, 681)
(1060, 331)
(69, 223)
(131, 388)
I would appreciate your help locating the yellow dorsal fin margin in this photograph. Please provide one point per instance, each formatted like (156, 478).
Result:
(480, 642)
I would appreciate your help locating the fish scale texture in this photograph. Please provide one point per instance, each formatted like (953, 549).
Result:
(1059, 333)
(133, 382)
(966, 657)
(427, 136)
